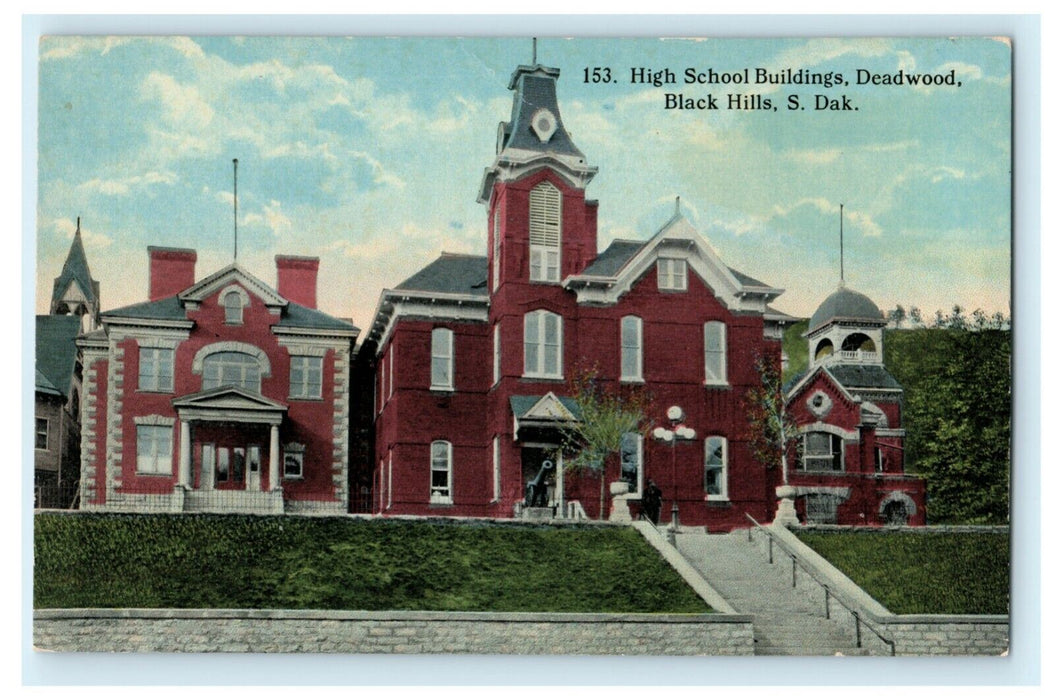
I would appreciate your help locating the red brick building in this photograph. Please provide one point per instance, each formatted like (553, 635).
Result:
(221, 394)
(850, 468)
(475, 355)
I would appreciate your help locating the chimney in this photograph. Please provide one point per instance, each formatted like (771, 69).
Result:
(171, 270)
(297, 278)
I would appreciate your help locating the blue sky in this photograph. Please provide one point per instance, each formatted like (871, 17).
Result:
(369, 153)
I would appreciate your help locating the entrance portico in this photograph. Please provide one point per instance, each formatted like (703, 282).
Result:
(226, 436)
(539, 424)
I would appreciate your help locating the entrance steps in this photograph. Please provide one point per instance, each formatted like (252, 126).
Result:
(788, 620)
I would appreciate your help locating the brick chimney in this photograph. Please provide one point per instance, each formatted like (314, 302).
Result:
(298, 278)
(171, 270)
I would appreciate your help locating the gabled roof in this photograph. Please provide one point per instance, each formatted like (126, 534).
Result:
(228, 397)
(43, 385)
(546, 407)
(56, 351)
(167, 309)
(863, 376)
(227, 275)
(297, 316)
(75, 269)
(451, 273)
(617, 269)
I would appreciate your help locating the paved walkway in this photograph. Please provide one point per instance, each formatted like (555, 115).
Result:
(787, 620)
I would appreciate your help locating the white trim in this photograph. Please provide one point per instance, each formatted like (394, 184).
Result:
(496, 353)
(302, 391)
(158, 363)
(154, 420)
(232, 346)
(436, 497)
(435, 306)
(243, 299)
(723, 492)
(232, 273)
(672, 274)
(496, 468)
(446, 359)
(639, 349)
(542, 342)
(721, 354)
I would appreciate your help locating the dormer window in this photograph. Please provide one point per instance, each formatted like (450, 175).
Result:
(234, 299)
(671, 275)
(544, 213)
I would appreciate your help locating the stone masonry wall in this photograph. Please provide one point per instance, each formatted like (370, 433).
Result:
(391, 632)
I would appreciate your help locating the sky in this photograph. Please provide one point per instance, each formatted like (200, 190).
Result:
(369, 153)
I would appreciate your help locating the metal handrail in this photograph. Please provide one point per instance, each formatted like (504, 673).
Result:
(828, 592)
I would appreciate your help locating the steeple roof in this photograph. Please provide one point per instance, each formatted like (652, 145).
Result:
(75, 269)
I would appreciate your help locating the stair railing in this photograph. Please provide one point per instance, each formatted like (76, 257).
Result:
(859, 617)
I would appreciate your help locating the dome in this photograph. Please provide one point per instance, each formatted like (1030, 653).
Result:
(845, 304)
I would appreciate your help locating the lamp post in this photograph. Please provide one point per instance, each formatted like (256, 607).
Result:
(676, 416)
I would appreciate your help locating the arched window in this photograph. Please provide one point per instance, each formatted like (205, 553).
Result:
(715, 467)
(543, 345)
(631, 345)
(442, 358)
(823, 452)
(714, 352)
(544, 214)
(824, 349)
(231, 369)
(859, 341)
(441, 468)
(232, 307)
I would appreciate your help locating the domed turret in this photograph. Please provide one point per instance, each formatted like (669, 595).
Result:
(844, 304)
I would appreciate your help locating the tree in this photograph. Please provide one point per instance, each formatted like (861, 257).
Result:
(604, 417)
(915, 316)
(772, 431)
(898, 316)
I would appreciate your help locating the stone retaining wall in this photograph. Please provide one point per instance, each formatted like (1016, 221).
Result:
(391, 632)
(913, 635)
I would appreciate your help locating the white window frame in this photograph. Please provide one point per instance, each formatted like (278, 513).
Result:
(37, 432)
(537, 356)
(715, 360)
(496, 467)
(389, 490)
(708, 466)
(293, 462)
(636, 489)
(156, 359)
(445, 360)
(496, 359)
(213, 358)
(443, 495)
(151, 459)
(631, 356)
(496, 249)
(391, 365)
(545, 209)
(233, 313)
(807, 457)
(308, 366)
(672, 274)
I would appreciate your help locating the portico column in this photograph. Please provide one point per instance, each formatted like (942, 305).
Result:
(272, 461)
(184, 454)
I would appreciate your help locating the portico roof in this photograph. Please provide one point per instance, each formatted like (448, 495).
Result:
(229, 404)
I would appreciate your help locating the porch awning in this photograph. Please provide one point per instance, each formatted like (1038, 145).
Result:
(549, 412)
(229, 404)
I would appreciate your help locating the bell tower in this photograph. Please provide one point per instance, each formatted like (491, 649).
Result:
(75, 293)
(541, 227)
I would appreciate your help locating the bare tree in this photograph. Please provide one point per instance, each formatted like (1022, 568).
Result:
(772, 431)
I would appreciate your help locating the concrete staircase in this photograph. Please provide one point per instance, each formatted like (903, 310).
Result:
(788, 621)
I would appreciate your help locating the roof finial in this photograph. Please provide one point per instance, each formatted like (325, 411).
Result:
(842, 279)
(78, 227)
(534, 50)
(236, 209)
(677, 205)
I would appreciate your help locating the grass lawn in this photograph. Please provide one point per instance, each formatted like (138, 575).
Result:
(923, 572)
(237, 561)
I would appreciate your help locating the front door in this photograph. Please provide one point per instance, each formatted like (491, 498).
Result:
(230, 456)
(543, 482)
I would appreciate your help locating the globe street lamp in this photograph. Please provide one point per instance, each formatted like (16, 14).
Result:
(676, 416)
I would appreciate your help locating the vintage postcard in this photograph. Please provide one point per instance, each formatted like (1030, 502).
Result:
(686, 346)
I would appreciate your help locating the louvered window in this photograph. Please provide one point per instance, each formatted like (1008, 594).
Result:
(545, 230)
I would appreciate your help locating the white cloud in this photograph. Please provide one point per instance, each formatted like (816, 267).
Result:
(813, 156)
(185, 107)
(67, 227)
(125, 185)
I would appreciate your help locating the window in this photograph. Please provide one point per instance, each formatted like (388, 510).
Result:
(823, 452)
(496, 466)
(821, 509)
(671, 274)
(155, 369)
(154, 449)
(41, 437)
(631, 348)
(714, 352)
(543, 354)
(497, 359)
(630, 452)
(232, 307)
(293, 461)
(496, 252)
(305, 377)
(544, 213)
(231, 369)
(442, 358)
(389, 490)
(440, 490)
(208, 464)
(223, 465)
(715, 471)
